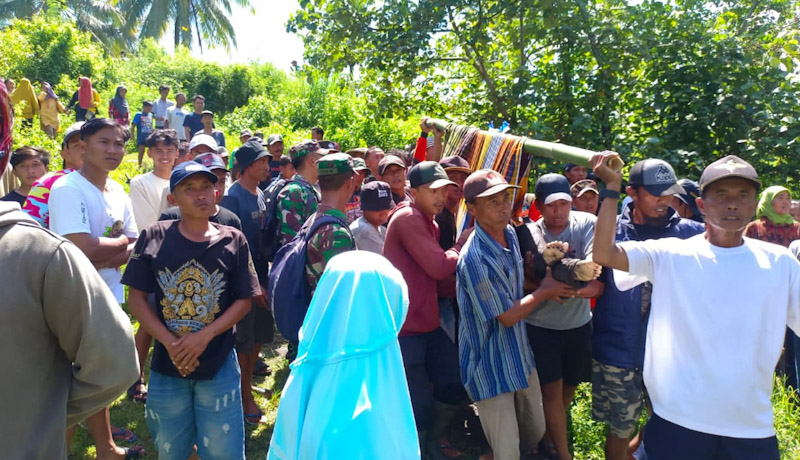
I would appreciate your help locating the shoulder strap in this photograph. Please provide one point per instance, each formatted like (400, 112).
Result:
(327, 220)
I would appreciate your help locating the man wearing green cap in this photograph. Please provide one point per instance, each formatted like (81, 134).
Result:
(298, 200)
(337, 180)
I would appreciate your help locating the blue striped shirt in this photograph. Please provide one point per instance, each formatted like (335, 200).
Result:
(494, 359)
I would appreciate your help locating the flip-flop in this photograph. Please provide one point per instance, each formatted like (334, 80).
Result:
(258, 415)
(136, 394)
(134, 452)
(123, 434)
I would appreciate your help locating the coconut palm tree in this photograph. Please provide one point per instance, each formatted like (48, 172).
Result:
(101, 18)
(204, 20)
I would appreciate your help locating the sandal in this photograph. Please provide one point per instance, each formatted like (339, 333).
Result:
(134, 452)
(261, 369)
(138, 392)
(123, 434)
(257, 416)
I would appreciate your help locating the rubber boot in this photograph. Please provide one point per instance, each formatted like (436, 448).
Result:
(442, 416)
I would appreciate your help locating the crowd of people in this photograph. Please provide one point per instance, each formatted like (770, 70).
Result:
(676, 303)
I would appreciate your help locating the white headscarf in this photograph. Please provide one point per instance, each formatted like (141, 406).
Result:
(347, 396)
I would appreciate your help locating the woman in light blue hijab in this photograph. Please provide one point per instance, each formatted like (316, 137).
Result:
(347, 396)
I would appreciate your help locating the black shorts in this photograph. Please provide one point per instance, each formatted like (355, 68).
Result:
(563, 354)
(664, 440)
(257, 326)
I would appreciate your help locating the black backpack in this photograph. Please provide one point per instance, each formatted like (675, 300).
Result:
(271, 233)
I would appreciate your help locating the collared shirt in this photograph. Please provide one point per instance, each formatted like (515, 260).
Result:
(494, 359)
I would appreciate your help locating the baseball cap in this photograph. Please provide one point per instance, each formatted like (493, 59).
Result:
(656, 176)
(73, 129)
(203, 139)
(187, 169)
(376, 196)
(211, 161)
(335, 163)
(455, 163)
(359, 165)
(727, 167)
(428, 173)
(692, 191)
(246, 132)
(274, 139)
(206, 112)
(147, 103)
(306, 147)
(389, 160)
(569, 166)
(583, 186)
(330, 145)
(485, 182)
(249, 152)
(358, 152)
(552, 187)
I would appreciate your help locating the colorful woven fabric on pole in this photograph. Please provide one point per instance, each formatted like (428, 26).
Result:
(489, 150)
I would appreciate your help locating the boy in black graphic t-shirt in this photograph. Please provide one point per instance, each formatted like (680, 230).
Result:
(203, 279)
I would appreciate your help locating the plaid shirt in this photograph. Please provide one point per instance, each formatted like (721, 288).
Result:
(494, 359)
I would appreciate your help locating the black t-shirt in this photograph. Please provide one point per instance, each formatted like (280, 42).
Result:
(223, 217)
(194, 283)
(447, 229)
(15, 196)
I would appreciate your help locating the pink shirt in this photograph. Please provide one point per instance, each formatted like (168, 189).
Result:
(37, 203)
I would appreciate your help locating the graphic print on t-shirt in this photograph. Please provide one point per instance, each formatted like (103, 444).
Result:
(191, 297)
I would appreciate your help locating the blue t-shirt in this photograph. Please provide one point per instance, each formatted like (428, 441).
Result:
(193, 122)
(144, 124)
(251, 210)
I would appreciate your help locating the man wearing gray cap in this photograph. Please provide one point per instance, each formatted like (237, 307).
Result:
(685, 203)
(620, 317)
(719, 308)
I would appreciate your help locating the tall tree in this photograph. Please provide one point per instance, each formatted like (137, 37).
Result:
(201, 20)
(101, 18)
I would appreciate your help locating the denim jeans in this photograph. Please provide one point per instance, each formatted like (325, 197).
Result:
(181, 413)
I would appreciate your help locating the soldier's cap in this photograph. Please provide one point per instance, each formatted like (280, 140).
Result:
(73, 129)
(304, 148)
(692, 192)
(187, 169)
(376, 196)
(727, 167)
(203, 139)
(390, 160)
(583, 186)
(335, 163)
(428, 173)
(211, 161)
(359, 165)
(250, 152)
(455, 163)
(485, 182)
(656, 176)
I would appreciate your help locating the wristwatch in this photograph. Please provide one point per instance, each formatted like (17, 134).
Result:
(606, 193)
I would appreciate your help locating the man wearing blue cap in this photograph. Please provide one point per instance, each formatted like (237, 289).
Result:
(560, 332)
(686, 203)
(203, 279)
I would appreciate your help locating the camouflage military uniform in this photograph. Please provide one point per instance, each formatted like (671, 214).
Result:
(296, 203)
(329, 241)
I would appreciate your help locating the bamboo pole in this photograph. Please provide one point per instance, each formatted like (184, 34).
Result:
(545, 149)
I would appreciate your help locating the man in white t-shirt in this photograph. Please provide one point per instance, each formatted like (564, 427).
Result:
(175, 116)
(93, 211)
(148, 191)
(719, 308)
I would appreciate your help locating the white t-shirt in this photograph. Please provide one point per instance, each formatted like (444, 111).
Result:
(148, 198)
(77, 206)
(368, 238)
(716, 330)
(175, 117)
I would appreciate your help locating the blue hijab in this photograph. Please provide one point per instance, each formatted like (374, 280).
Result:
(347, 396)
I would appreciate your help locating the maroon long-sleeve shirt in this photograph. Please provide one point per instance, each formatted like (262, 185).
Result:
(412, 246)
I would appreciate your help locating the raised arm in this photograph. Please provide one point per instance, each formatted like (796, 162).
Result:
(605, 251)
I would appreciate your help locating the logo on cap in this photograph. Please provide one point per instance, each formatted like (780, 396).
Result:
(194, 167)
(664, 175)
(383, 193)
(731, 165)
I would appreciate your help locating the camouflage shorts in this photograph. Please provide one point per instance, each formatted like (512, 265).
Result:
(617, 397)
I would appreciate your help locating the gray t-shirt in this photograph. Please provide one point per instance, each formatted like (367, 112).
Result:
(579, 233)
